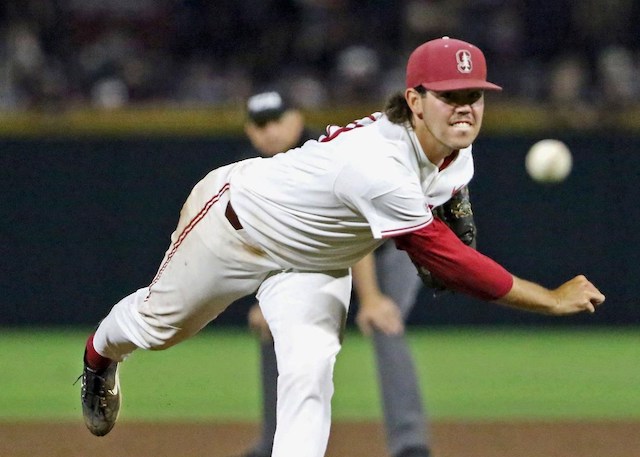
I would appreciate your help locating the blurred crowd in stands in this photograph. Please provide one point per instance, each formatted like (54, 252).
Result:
(58, 54)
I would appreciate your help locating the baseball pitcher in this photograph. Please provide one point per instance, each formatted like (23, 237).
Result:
(291, 226)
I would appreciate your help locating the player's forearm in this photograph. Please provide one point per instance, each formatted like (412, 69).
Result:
(529, 296)
(573, 296)
(365, 281)
(458, 266)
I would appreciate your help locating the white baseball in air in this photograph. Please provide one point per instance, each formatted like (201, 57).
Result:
(549, 161)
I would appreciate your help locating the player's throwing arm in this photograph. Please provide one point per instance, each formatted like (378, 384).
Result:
(464, 269)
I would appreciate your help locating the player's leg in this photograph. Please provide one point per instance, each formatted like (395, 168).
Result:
(306, 313)
(269, 382)
(269, 379)
(405, 420)
(207, 266)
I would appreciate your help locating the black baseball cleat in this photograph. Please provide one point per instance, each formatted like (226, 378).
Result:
(100, 396)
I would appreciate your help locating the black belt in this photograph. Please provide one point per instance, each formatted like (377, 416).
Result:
(232, 217)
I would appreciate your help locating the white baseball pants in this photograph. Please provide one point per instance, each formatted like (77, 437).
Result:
(209, 265)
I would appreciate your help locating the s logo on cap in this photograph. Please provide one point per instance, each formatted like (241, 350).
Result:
(463, 57)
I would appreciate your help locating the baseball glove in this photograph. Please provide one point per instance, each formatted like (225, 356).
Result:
(458, 215)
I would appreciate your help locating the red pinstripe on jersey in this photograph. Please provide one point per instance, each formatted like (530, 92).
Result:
(402, 231)
(189, 227)
(335, 130)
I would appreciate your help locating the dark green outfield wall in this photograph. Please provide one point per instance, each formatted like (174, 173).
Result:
(85, 221)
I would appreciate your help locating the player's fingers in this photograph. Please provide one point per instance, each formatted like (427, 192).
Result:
(392, 327)
(395, 330)
(364, 326)
(594, 296)
(384, 328)
(598, 299)
(380, 324)
(397, 325)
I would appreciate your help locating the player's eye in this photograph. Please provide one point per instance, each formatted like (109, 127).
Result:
(474, 96)
(460, 97)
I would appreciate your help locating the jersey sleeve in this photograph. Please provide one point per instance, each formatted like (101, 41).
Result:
(392, 205)
(458, 266)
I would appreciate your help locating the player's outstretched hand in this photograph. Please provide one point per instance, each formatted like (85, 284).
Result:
(576, 295)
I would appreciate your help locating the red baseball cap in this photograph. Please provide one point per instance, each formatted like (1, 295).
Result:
(448, 64)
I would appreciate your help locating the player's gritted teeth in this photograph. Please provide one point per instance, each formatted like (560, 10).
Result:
(463, 124)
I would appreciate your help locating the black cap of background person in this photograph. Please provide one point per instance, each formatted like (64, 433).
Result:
(266, 106)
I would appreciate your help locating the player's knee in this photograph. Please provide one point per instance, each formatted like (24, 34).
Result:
(162, 345)
(311, 379)
(307, 365)
(160, 335)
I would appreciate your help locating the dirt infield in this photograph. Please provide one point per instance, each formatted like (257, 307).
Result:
(500, 439)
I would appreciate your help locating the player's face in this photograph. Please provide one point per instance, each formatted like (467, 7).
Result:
(452, 119)
(278, 135)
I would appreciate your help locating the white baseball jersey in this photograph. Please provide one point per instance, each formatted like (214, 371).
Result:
(332, 201)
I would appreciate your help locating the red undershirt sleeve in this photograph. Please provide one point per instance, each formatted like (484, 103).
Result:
(458, 266)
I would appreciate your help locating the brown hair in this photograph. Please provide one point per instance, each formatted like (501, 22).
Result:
(397, 109)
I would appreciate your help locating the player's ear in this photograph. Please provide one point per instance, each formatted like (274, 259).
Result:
(414, 100)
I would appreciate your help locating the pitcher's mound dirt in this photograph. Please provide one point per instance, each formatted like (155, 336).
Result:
(499, 439)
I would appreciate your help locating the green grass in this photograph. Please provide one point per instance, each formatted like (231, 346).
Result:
(469, 374)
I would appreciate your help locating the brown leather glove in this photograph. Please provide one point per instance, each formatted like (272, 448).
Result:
(458, 215)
